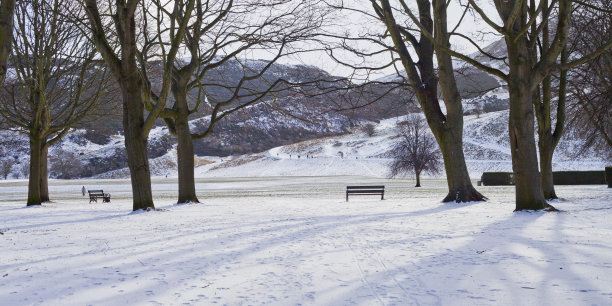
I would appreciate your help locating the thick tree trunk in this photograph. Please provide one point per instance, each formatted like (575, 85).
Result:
(35, 165)
(460, 188)
(450, 133)
(528, 185)
(44, 174)
(136, 144)
(547, 150)
(186, 180)
(418, 180)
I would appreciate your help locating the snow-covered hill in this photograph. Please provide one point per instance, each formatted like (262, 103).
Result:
(485, 143)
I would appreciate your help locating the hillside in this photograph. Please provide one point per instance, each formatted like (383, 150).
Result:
(486, 148)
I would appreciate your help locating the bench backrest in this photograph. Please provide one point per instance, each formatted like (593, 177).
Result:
(372, 188)
(96, 192)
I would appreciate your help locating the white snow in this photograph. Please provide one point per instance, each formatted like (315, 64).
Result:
(294, 240)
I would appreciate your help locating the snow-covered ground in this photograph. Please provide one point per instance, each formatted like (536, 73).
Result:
(294, 240)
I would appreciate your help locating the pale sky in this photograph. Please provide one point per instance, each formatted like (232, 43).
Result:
(357, 23)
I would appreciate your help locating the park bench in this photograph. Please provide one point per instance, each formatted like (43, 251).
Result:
(366, 190)
(95, 194)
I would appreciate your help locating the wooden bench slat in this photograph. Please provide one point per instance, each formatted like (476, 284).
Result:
(365, 191)
(370, 187)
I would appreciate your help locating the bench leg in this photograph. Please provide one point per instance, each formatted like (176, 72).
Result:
(382, 196)
(347, 196)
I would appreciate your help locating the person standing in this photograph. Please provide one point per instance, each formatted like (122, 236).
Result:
(83, 190)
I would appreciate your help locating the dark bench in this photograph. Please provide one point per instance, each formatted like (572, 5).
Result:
(366, 190)
(95, 194)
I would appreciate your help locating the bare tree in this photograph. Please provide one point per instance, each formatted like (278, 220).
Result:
(523, 22)
(590, 86)
(65, 164)
(369, 129)
(57, 83)
(416, 152)
(7, 10)
(5, 168)
(122, 35)
(222, 33)
(409, 33)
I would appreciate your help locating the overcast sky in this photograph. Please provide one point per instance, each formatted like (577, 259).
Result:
(357, 23)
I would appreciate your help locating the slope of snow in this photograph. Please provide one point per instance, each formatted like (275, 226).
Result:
(295, 241)
(486, 148)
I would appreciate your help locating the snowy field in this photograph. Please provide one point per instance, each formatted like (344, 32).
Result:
(289, 241)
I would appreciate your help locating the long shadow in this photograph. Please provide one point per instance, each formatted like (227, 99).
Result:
(517, 284)
(179, 266)
(308, 226)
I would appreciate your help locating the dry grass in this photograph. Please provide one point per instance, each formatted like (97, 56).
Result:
(197, 161)
(237, 161)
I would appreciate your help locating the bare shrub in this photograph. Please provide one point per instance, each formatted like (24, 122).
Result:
(369, 129)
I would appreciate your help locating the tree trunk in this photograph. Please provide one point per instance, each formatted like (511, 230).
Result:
(44, 174)
(528, 185)
(418, 179)
(547, 150)
(185, 155)
(136, 144)
(449, 132)
(447, 129)
(35, 171)
(7, 11)
(460, 188)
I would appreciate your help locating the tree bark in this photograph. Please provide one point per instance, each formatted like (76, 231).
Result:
(7, 11)
(136, 143)
(418, 180)
(185, 153)
(44, 174)
(450, 133)
(529, 195)
(36, 145)
(460, 188)
(546, 154)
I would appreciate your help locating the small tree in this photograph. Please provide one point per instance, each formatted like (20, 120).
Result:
(416, 151)
(5, 168)
(65, 164)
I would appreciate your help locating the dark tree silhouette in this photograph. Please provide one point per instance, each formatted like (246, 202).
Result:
(5, 168)
(416, 152)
